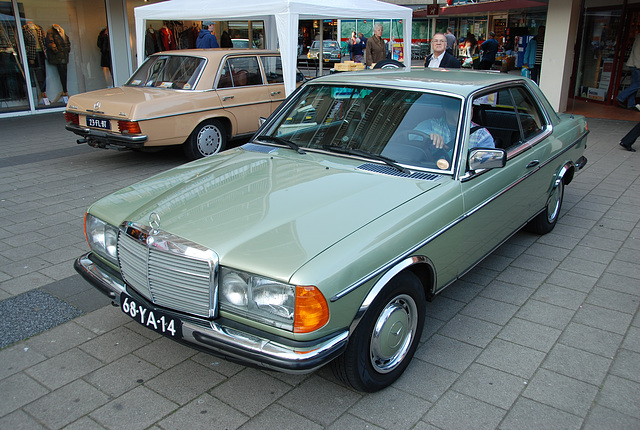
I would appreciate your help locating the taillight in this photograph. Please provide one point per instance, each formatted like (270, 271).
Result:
(72, 118)
(130, 127)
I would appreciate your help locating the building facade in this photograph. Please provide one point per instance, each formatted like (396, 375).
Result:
(50, 50)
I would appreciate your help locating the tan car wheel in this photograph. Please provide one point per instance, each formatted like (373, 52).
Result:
(208, 138)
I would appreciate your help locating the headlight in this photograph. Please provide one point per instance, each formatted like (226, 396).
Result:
(293, 308)
(102, 237)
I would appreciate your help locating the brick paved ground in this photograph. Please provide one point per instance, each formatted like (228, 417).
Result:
(543, 334)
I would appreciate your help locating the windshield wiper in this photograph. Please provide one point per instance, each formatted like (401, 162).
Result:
(366, 154)
(281, 141)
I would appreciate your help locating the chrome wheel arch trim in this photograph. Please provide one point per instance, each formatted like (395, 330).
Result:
(384, 280)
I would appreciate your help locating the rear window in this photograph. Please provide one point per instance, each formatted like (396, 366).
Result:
(168, 71)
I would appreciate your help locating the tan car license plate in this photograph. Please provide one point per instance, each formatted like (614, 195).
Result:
(153, 319)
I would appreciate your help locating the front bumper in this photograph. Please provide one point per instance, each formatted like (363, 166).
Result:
(107, 139)
(225, 338)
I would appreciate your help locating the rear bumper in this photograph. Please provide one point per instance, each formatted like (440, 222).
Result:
(105, 139)
(226, 338)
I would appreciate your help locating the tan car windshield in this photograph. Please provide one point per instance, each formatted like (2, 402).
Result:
(167, 71)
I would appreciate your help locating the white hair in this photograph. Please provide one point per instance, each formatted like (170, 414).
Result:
(377, 25)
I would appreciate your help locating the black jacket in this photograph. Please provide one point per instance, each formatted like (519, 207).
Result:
(448, 61)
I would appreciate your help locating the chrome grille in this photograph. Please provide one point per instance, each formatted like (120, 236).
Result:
(168, 271)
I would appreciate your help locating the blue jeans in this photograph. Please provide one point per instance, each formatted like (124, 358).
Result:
(628, 95)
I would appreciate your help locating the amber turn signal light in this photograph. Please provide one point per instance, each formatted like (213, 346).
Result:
(130, 127)
(312, 311)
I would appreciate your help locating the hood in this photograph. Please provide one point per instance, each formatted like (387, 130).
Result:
(132, 103)
(265, 213)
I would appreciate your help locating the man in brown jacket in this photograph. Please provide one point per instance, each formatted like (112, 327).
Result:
(376, 49)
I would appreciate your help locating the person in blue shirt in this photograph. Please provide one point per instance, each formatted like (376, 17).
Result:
(489, 50)
(206, 39)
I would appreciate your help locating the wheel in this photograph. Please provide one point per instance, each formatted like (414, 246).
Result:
(388, 64)
(208, 138)
(545, 221)
(386, 338)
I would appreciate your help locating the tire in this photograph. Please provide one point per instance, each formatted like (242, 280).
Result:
(545, 221)
(208, 138)
(381, 347)
(388, 64)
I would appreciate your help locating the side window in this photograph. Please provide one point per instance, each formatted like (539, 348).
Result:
(225, 77)
(494, 118)
(530, 117)
(273, 69)
(244, 71)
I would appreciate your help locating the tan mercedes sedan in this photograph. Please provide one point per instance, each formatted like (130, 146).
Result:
(197, 98)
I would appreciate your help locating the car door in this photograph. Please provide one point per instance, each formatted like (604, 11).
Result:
(498, 202)
(274, 77)
(243, 93)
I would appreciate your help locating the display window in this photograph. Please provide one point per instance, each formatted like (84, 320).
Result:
(49, 50)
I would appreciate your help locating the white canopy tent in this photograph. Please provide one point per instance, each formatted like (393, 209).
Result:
(280, 20)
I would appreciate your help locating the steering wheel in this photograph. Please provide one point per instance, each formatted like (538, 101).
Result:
(425, 142)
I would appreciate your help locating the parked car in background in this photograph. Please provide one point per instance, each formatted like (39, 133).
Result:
(331, 52)
(321, 239)
(243, 44)
(195, 98)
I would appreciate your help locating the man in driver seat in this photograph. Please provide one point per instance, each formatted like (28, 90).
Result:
(442, 130)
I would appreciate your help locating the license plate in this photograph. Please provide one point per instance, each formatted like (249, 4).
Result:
(153, 319)
(99, 123)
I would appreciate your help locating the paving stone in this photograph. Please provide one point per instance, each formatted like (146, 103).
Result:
(490, 385)
(122, 375)
(561, 392)
(449, 353)
(545, 314)
(184, 382)
(18, 390)
(60, 339)
(614, 300)
(559, 296)
(425, 380)
(207, 412)
(523, 277)
(165, 353)
(219, 365)
(619, 283)
(461, 291)
(67, 404)
(575, 281)
(621, 395)
(134, 410)
(470, 330)
(18, 357)
(19, 420)
(490, 310)
(456, 411)
(529, 415)
(278, 417)
(400, 411)
(575, 363)
(508, 293)
(250, 391)
(631, 341)
(511, 358)
(604, 418)
(627, 365)
(606, 319)
(530, 334)
(591, 339)
(63, 368)
(84, 423)
(115, 344)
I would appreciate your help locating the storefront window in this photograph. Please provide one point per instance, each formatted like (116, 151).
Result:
(597, 54)
(59, 48)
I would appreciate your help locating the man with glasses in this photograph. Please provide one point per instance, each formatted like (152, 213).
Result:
(439, 56)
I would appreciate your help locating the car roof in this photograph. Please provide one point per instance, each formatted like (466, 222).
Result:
(217, 53)
(459, 82)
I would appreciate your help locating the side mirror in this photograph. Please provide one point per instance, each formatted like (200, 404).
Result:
(487, 158)
(261, 120)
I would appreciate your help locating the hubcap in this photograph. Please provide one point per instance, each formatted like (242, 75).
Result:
(393, 333)
(209, 140)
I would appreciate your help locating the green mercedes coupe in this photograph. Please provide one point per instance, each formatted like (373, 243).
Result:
(320, 240)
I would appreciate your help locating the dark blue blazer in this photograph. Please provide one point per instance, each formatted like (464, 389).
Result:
(448, 61)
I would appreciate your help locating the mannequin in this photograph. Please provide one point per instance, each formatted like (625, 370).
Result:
(105, 56)
(34, 41)
(150, 42)
(58, 48)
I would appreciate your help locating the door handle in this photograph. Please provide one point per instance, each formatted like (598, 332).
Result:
(273, 93)
(533, 163)
(227, 98)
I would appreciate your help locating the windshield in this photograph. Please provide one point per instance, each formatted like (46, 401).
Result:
(326, 45)
(396, 124)
(168, 71)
